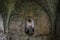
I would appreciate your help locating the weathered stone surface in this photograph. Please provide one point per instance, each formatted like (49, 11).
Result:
(14, 13)
(41, 19)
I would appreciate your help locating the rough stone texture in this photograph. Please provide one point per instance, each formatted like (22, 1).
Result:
(14, 13)
(42, 23)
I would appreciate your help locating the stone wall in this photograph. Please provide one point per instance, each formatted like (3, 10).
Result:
(14, 13)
